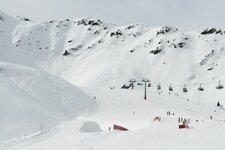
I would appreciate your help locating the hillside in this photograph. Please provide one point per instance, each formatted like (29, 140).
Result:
(64, 77)
(90, 52)
(128, 109)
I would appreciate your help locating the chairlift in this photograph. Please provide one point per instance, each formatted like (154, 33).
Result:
(149, 84)
(139, 84)
(170, 88)
(219, 86)
(200, 88)
(185, 89)
(158, 87)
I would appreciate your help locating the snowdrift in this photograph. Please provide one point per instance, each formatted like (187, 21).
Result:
(90, 126)
(31, 98)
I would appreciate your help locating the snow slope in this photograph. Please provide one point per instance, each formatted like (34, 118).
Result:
(144, 133)
(156, 137)
(31, 98)
(100, 58)
(90, 52)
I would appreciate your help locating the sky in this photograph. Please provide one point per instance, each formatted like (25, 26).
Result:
(183, 14)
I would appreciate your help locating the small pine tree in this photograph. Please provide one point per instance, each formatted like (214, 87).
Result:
(218, 104)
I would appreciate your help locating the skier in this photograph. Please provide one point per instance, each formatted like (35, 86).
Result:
(179, 120)
(218, 104)
(185, 122)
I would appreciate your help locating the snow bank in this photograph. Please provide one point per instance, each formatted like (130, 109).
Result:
(90, 126)
(31, 98)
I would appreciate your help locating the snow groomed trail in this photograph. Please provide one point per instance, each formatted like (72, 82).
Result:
(92, 132)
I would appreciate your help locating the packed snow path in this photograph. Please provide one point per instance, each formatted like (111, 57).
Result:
(144, 132)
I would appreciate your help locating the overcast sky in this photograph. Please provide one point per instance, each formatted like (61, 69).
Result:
(184, 14)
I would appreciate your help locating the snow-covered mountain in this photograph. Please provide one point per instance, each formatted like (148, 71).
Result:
(42, 63)
(90, 52)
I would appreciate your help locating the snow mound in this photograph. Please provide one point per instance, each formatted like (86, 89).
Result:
(32, 99)
(90, 126)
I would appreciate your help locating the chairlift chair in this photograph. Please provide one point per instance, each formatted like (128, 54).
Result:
(185, 89)
(200, 88)
(149, 84)
(139, 84)
(170, 88)
(219, 86)
(159, 87)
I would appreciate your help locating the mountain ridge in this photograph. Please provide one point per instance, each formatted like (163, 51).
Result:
(90, 52)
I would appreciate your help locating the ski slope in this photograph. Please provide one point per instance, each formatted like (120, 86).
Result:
(156, 137)
(144, 133)
(90, 52)
(31, 98)
(60, 85)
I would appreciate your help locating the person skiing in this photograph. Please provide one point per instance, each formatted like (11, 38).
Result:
(218, 104)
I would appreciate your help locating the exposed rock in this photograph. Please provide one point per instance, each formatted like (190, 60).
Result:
(66, 53)
(165, 30)
(116, 33)
(211, 31)
(156, 51)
